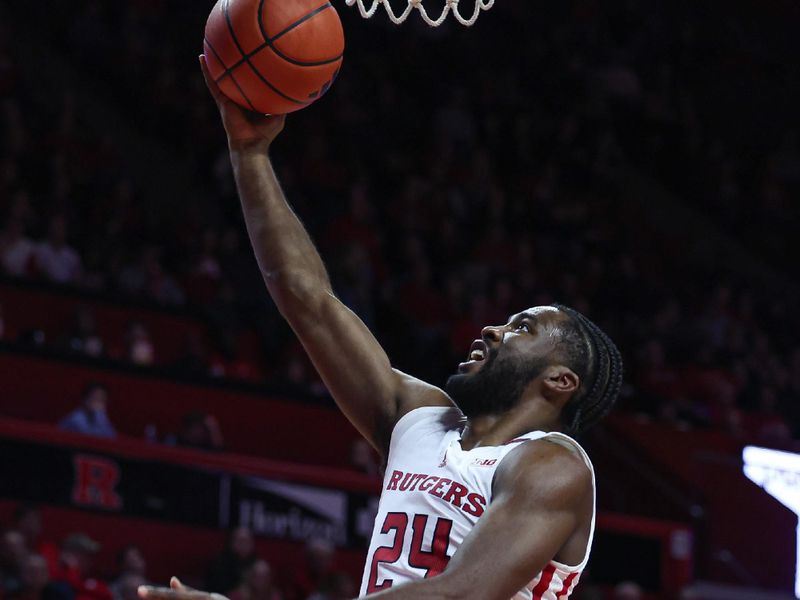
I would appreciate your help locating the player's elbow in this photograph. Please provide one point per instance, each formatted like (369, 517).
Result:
(296, 293)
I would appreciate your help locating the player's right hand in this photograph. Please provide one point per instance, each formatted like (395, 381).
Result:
(245, 129)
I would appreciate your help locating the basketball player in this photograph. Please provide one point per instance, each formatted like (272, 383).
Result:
(486, 496)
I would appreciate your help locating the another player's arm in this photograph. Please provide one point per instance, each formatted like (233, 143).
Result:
(351, 362)
(542, 496)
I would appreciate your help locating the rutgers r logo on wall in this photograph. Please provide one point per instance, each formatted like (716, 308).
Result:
(96, 479)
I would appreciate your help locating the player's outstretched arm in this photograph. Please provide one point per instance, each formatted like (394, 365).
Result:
(349, 359)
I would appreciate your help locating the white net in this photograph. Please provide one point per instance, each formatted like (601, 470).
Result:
(451, 6)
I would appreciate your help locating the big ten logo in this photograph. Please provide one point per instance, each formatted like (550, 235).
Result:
(325, 87)
(485, 462)
(95, 483)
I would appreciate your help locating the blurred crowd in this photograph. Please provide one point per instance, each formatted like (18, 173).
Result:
(33, 567)
(198, 430)
(443, 197)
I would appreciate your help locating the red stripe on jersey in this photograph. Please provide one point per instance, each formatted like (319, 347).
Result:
(567, 583)
(544, 582)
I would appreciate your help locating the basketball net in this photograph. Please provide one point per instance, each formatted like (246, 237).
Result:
(451, 6)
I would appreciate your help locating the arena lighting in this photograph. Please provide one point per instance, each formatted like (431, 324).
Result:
(779, 474)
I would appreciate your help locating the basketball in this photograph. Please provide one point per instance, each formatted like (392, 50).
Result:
(273, 56)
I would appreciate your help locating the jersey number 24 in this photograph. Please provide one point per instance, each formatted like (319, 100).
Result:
(433, 561)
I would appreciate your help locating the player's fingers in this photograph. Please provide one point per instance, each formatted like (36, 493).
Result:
(176, 584)
(278, 122)
(210, 84)
(147, 592)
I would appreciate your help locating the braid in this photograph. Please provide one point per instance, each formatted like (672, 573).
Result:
(598, 362)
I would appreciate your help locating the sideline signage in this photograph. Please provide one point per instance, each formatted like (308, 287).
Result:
(100, 481)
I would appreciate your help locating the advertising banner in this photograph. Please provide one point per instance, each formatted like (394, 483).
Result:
(275, 509)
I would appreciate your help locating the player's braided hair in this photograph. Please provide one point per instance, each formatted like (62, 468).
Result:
(597, 361)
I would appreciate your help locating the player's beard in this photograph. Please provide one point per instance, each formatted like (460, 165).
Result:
(496, 387)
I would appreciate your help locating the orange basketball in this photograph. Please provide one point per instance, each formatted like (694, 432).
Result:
(273, 56)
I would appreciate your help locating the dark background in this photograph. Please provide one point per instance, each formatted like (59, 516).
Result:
(638, 161)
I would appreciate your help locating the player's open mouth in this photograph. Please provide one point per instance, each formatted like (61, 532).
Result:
(477, 353)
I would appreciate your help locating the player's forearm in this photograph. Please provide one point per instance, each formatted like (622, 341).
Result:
(286, 255)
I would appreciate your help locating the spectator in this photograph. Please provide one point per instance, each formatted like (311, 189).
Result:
(36, 582)
(127, 587)
(363, 458)
(55, 259)
(768, 426)
(201, 431)
(132, 565)
(588, 589)
(139, 348)
(336, 586)
(13, 555)
(28, 521)
(627, 590)
(75, 568)
(91, 417)
(258, 583)
(194, 361)
(149, 278)
(297, 375)
(203, 281)
(82, 336)
(227, 570)
(656, 379)
(16, 250)
(310, 579)
(688, 593)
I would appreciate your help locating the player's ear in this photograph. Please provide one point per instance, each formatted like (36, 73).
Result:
(560, 381)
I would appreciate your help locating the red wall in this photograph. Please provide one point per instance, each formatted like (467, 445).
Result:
(52, 311)
(44, 390)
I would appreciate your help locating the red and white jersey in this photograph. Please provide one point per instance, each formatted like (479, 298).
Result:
(434, 492)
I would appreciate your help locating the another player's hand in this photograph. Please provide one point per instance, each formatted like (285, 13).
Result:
(176, 591)
(244, 128)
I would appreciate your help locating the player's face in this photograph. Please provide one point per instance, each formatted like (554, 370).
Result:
(504, 361)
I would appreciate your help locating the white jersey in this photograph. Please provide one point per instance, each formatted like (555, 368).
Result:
(433, 494)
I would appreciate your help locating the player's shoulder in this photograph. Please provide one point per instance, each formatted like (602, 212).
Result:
(543, 470)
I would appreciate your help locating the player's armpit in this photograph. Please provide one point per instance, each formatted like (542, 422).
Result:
(356, 369)
(542, 496)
